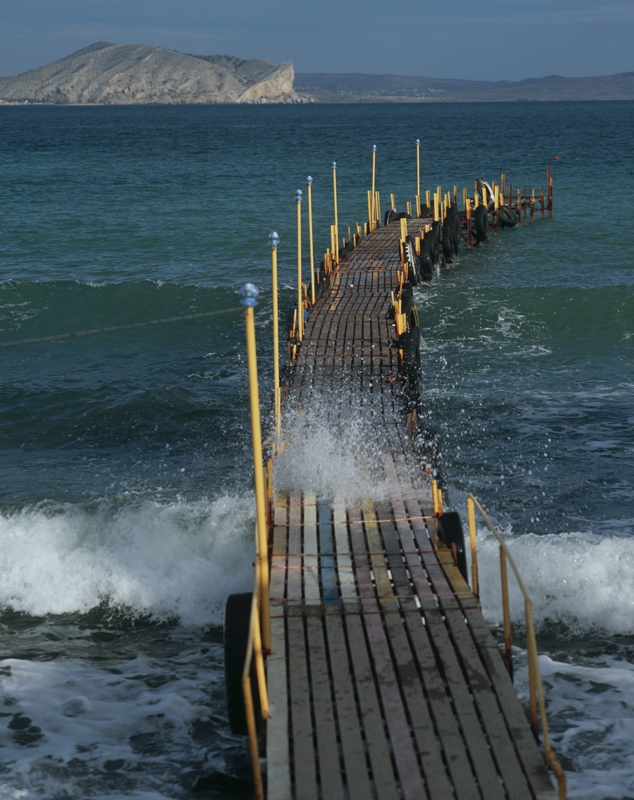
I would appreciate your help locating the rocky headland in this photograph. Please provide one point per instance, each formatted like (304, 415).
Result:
(126, 74)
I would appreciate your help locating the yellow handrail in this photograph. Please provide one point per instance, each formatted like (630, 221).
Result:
(536, 693)
(254, 651)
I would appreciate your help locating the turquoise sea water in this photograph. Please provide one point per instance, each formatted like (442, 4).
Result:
(125, 481)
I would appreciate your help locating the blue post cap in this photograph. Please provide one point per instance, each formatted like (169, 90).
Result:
(249, 293)
(274, 238)
(374, 147)
(334, 165)
(298, 195)
(309, 180)
(417, 141)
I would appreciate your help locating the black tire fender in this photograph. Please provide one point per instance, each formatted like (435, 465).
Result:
(236, 639)
(390, 216)
(412, 261)
(453, 220)
(507, 217)
(481, 224)
(448, 249)
(433, 239)
(450, 533)
(426, 263)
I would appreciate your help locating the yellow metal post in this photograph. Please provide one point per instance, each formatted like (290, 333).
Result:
(373, 195)
(475, 582)
(311, 248)
(506, 612)
(249, 293)
(417, 168)
(300, 299)
(334, 201)
(274, 240)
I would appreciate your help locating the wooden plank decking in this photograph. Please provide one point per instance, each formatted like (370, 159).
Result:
(384, 679)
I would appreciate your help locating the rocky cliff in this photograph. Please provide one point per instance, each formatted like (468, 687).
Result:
(115, 74)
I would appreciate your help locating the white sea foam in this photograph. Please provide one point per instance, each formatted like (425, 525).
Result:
(86, 727)
(331, 459)
(591, 723)
(179, 559)
(580, 579)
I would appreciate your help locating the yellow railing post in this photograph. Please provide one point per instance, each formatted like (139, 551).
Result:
(533, 666)
(536, 692)
(508, 645)
(311, 247)
(300, 299)
(475, 580)
(249, 293)
(334, 202)
(418, 175)
(373, 190)
(274, 240)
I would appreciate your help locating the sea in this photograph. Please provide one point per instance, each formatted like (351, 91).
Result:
(127, 507)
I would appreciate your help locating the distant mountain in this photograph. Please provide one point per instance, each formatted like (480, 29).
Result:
(361, 88)
(123, 74)
(115, 74)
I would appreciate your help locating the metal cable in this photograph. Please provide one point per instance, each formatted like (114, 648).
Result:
(111, 328)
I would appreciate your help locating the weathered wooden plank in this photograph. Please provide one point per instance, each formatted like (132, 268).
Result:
(516, 719)
(393, 550)
(277, 732)
(377, 560)
(410, 777)
(277, 589)
(474, 735)
(433, 767)
(330, 780)
(294, 561)
(441, 709)
(354, 758)
(312, 593)
(344, 559)
(329, 584)
(302, 745)
(485, 700)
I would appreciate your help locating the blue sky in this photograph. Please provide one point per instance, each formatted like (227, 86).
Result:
(476, 39)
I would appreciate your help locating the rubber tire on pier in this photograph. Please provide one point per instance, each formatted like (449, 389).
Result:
(453, 220)
(448, 249)
(390, 216)
(425, 260)
(236, 638)
(433, 240)
(407, 299)
(450, 532)
(507, 217)
(425, 211)
(481, 224)
(412, 261)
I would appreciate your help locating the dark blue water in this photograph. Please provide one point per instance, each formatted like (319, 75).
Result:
(125, 476)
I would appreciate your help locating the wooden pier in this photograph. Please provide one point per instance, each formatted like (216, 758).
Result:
(383, 679)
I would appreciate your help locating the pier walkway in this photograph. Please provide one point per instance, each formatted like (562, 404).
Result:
(384, 680)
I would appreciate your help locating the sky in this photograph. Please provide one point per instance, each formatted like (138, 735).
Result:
(472, 39)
